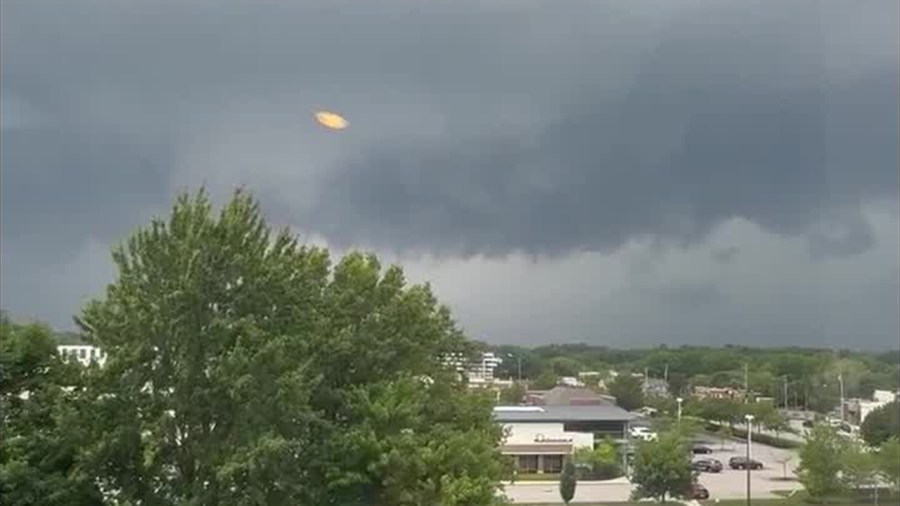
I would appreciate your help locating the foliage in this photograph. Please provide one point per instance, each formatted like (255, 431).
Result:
(244, 369)
(513, 395)
(766, 439)
(812, 373)
(39, 447)
(888, 462)
(545, 381)
(678, 384)
(567, 482)
(882, 424)
(821, 461)
(628, 391)
(662, 468)
(860, 467)
(599, 463)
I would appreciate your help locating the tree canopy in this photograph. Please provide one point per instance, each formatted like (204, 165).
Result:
(821, 462)
(882, 424)
(243, 368)
(662, 468)
(628, 391)
(39, 447)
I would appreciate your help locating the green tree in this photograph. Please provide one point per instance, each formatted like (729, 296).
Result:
(628, 391)
(820, 462)
(882, 424)
(662, 468)
(39, 447)
(602, 460)
(546, 380)
(244, 369)
(888, 462)
(678, 384)
(567, 482)
(513, 395)
(860, 467)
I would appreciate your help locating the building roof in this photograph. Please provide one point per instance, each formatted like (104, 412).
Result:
(569, 396)
(562, 414)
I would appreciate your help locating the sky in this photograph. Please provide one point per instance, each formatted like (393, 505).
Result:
(615, 173)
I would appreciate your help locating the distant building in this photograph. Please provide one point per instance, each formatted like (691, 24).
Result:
(85, 354)
(726, 393)
(857, 410)
(540, 438)
(478, 372)
(656, 387)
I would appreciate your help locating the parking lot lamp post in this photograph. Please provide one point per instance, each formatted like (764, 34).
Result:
(679, 401)
(749, 419)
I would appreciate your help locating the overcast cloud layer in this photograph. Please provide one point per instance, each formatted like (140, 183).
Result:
(621, 173)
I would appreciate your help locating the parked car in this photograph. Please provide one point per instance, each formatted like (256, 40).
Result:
(643, 433)
(743, 463)
(808, 423)
(699, 492)
(701, 449)
(707, 465)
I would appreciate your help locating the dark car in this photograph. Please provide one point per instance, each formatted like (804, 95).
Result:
(808, 423)
(744, 463)
(698, 492)
(707, 465)
(701, 449)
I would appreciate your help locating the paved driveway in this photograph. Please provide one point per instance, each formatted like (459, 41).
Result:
(725, 485)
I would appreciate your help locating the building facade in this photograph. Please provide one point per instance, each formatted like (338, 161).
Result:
(85, 354)
(540, 438)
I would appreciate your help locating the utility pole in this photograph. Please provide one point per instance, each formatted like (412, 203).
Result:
(666, 374)
(746, 384)
(785, 392)
(841, 383)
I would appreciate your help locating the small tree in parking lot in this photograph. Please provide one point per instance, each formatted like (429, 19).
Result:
(662, 468)
(567, 481)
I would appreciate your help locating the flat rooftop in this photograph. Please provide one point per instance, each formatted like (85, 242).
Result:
(600, 413)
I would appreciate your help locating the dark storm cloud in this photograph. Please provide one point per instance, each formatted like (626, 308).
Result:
(751, 124)
(726, 111)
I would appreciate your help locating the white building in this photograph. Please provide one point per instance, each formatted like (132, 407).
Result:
(480, 371)
(539, 438)
(857, 410)
(83, 353)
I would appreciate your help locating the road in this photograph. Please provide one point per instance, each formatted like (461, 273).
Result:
(725, 485)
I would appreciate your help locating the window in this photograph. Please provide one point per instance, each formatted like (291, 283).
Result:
(528, 463)
(553, 464)
(82, 353)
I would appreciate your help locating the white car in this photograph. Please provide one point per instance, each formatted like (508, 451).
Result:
(643, 433)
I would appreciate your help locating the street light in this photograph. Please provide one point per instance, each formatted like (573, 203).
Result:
(749, 419)
(679, 401)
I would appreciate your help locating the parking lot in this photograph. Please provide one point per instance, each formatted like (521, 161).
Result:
(727, 484)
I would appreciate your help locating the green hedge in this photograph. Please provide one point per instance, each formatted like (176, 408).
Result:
(765, 439)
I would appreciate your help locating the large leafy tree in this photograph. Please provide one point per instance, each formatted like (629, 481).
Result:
(39, 447)
(888, 462)
(882, 424)
(628, 391)
(244, 369)
(662, 468)
(821, 461)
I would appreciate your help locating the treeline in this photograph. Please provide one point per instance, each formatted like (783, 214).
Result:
(811, 374)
